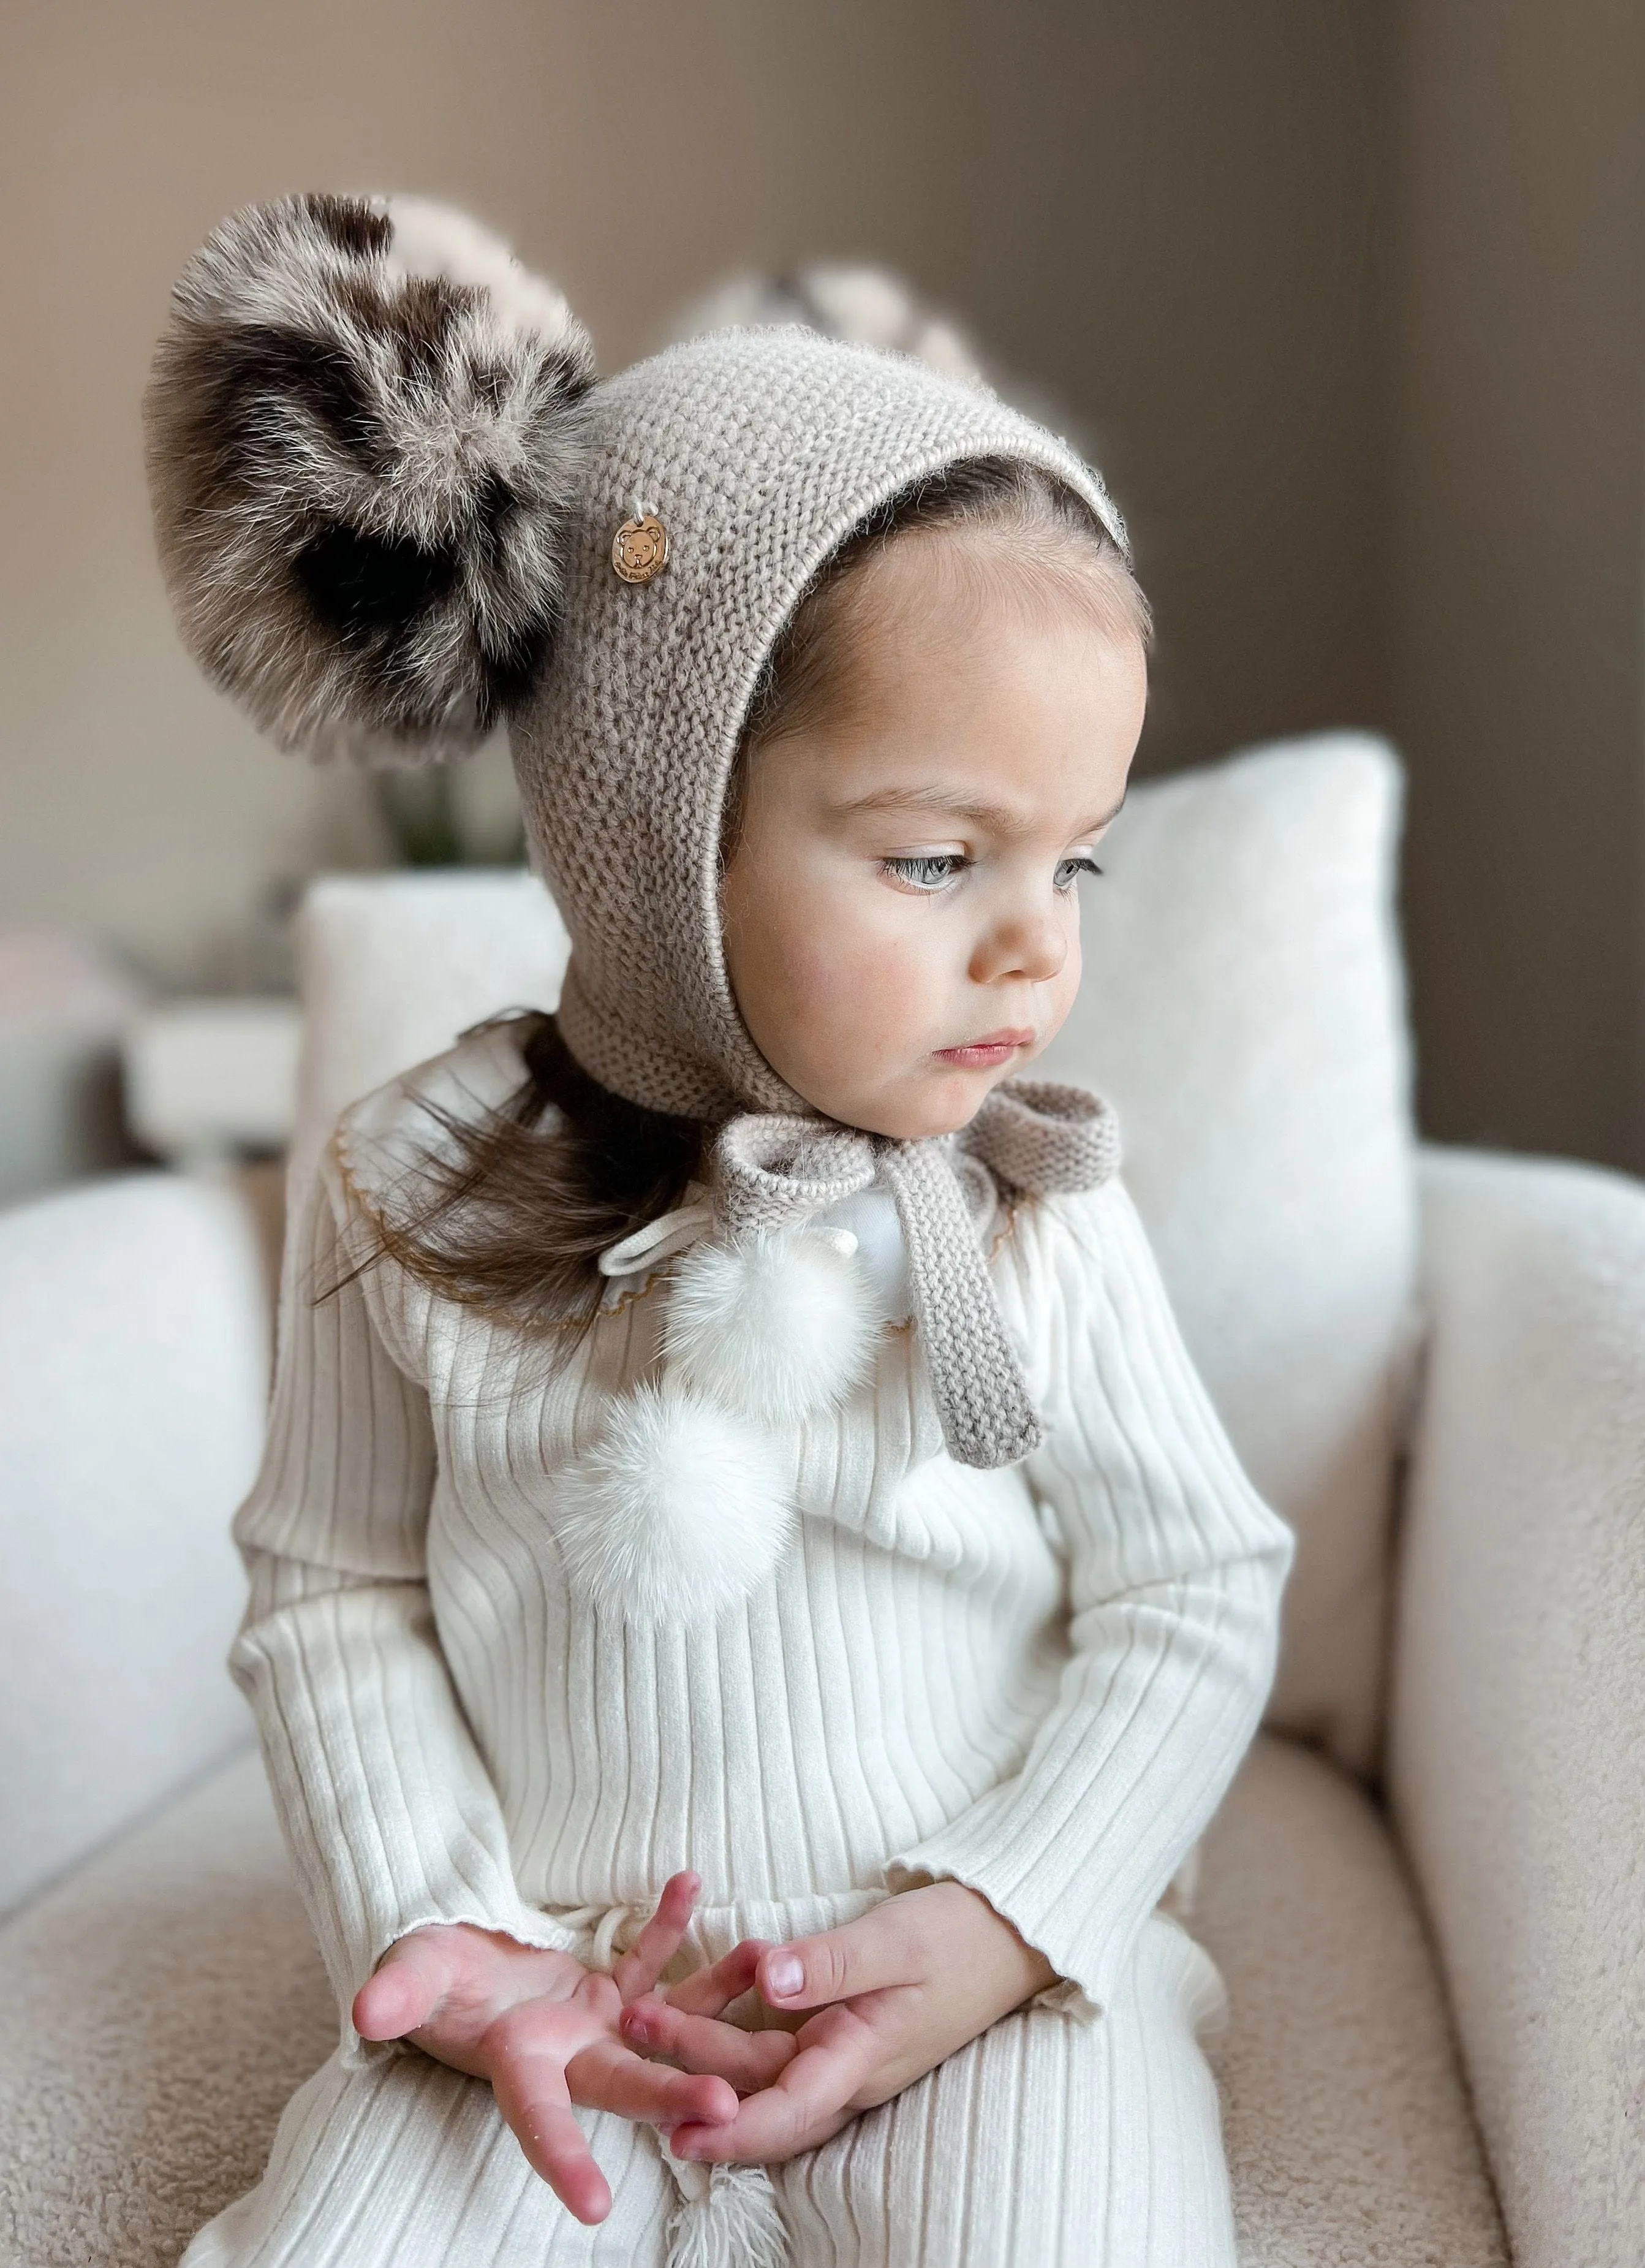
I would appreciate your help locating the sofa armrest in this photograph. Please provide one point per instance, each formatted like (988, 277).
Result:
(133, 1385)
(1517, 1737)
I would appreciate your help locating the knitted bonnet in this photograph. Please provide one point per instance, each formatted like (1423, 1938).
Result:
(395, 508)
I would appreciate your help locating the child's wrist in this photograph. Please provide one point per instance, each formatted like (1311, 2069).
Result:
(980, 1923)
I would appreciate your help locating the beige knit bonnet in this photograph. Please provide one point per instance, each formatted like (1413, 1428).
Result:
(395, 508)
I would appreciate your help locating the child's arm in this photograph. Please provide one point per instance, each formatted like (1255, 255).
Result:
(1176, 1569)
(387, 1804)
(393, 1823)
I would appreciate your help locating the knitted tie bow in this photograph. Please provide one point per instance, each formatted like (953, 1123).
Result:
(774, 1171)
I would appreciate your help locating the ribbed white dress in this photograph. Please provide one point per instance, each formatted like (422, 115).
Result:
(1037, 1681)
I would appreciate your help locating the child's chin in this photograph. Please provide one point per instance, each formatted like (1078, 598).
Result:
(937, 1103)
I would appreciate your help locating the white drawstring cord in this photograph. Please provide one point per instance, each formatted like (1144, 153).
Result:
(659, 1241)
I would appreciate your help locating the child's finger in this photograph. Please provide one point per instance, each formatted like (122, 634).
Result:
(807, 2101)
(637, 1971)
(609, 2077)
(532, 2096)
(877, 1950)
(749, 2060)
(710, 1991)
(407, 1985)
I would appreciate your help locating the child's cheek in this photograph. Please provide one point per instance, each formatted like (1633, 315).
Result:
(868, 987)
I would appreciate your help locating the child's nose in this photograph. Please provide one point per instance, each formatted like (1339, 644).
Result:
(1028, 943)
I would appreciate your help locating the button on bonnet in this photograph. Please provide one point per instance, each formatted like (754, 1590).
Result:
(639, 549)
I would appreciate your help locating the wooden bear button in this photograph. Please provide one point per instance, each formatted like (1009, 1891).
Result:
(639, 549)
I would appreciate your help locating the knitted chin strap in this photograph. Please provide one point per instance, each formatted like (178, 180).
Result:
(774, 1171)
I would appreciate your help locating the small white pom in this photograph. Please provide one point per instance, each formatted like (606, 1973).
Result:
(779, 1326)
(677, 1511)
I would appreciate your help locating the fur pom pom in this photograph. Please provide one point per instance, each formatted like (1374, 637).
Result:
(865, 305)
(364, 439)
(677, 1510)
(776, 1325)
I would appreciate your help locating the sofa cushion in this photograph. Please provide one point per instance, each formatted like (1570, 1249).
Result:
(1243, 1008)
(164, 2002)
(134, 1376)
(1347, 2128)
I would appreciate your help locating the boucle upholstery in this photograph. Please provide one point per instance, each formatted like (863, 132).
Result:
(1517, 1741)
(1349, 2139)
(163, 2004)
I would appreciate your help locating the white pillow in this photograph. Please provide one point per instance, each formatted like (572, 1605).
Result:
(1243, 1010)
(393, 965)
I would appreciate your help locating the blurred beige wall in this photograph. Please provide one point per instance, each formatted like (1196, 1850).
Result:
(1166, 212)
(1517, 662)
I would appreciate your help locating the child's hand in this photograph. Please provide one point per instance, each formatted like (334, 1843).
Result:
(544, 2030)
(897, 1991)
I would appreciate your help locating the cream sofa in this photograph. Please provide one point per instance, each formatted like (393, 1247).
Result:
(1427, 1888)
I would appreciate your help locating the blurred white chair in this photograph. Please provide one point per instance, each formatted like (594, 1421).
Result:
(211, 1080)
(1424, 1888)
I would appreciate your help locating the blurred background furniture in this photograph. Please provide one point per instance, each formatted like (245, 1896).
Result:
(1424, 1888)
(207, 1081)
(66, 1004)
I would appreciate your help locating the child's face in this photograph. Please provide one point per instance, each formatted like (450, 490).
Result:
(901, 909)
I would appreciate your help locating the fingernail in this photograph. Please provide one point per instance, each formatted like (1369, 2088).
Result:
(785, 1973)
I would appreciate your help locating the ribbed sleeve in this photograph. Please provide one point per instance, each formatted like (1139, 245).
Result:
(388, 1810)
(1175, 1569)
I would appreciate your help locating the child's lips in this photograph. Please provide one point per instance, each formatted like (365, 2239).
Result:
(987, 1054)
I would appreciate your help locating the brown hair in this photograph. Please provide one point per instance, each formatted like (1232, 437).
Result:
(519, 1203)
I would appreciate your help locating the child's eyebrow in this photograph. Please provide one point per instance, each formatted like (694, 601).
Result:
(950, 804)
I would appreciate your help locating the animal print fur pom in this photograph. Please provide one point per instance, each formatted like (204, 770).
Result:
(364, 439)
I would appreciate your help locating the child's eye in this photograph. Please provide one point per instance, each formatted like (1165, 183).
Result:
(1069, 870)
(927, 870)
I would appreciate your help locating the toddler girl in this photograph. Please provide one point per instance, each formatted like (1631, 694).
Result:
(751, 1606)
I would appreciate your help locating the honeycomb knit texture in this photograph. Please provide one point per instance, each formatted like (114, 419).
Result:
(759, 451)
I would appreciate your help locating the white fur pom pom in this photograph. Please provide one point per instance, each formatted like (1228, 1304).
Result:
(776, 1325)
(677, 1511)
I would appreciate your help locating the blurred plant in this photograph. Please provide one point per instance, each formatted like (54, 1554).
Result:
(453, 814)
